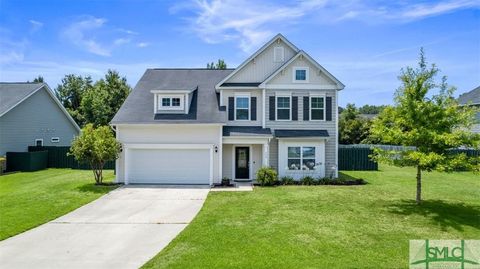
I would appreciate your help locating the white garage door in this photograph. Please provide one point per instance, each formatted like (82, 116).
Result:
(169, 166)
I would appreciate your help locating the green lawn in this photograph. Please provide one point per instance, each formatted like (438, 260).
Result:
(30, 199)
(365, 226)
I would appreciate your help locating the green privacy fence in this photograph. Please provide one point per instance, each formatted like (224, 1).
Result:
(58, 158)
(27, 161)
(355, 158)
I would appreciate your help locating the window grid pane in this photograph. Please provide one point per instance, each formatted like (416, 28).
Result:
(301, 74)
(242, 114)
(175, 101)
(317, 114)
(165, 101)
(283, 102)
(242, 102)
(317, 102)
(283, 114)
(301, 158)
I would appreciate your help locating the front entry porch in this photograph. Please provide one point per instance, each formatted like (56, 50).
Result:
(242, 157)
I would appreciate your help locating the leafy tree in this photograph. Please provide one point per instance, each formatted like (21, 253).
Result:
(353, 129)
(219, 65)
(38, 79)
(101, 102)
(431, 122)
(70, 93)
(95, 147)
(371, 109)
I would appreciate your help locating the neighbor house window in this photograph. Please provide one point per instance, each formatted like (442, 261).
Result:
(283, 107)
(55, 139)
(165, 101)
(242, 108)
(317, 108)
(301, 158)
(300, 74)
(175, 101)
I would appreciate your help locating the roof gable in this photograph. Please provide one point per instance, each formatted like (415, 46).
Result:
(260, 65)
(318, 74)
(471, 97)
(13, 94)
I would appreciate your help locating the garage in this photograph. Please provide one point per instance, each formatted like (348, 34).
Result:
(153, 165)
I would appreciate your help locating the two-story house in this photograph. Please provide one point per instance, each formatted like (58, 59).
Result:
(279, 108)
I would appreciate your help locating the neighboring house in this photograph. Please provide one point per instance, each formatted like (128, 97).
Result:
(472, 98)
(197, 126)
(30, 115)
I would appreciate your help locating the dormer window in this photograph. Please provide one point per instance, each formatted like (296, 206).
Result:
(171, 102)
(300, 74)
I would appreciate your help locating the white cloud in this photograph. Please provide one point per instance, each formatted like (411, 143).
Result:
(35, 25)
(252, 22)
(143, 44)
(11, 57)
(426, 10)
(121, 41)
(77, 33)
(127, 31)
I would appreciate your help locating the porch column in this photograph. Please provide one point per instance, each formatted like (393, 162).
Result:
(265, 154)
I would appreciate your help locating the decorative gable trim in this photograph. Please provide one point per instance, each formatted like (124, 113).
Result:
(50, 93)
(275, 38)
(339, 84)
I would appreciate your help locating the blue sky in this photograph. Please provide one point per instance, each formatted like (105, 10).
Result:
(363, 43)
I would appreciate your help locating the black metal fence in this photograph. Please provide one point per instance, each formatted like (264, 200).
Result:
(58, 158)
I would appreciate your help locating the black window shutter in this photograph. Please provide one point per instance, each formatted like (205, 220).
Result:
(253, 110)
(272, 107)
(231, 107)
(294, 107)
(329, 109)
(306, 108)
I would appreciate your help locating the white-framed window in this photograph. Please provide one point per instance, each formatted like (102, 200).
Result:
(242, 107)
(278, 54)
(301, 158)
(39, 142)
(55, 139)
(301, 74)
(317, 108)
(170, 102)
(284, 107)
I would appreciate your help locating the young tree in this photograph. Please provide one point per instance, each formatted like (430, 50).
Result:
(353, 129)
(70, 94)
(101, 102)
(433, 123)
(95, 147)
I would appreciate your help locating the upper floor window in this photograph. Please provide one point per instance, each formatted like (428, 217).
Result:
(242, 108)
(170, 102)
(300, 74)
(284, 106)
(317, 108)
(278, 54)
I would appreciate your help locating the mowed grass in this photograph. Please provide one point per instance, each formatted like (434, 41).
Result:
(365, 226)
(28, 199)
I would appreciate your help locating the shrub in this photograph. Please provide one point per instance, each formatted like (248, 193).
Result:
(287, 180)
(307, 180)
(266, 176)
(225, 181)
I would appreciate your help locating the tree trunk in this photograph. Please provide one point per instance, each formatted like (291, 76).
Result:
(419, 186)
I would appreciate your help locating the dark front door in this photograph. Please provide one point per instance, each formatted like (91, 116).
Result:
(242, 165)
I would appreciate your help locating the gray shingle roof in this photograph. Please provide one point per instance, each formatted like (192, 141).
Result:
(301, 133)
(138, 107)
(471, 97)
(246, 131)
(11, 93)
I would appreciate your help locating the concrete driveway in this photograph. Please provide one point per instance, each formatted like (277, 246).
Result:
(122, 229)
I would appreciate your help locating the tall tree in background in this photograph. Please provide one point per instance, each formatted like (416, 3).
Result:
(371, 109)
(353, 129)
(219, 65)
(38, 79)
(433, 123)
(70, 93)
(101, 102)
